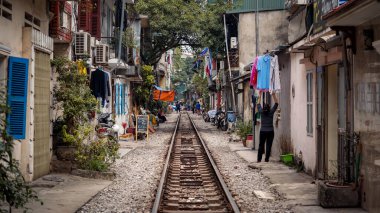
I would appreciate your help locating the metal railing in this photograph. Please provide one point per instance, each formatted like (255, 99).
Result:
(347, 149)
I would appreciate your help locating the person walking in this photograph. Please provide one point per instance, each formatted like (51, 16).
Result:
(198, 108)
(178, 107)
(266, 130)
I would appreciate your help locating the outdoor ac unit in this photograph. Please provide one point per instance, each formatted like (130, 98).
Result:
(102, 54)
(234, 42)
(82, 43)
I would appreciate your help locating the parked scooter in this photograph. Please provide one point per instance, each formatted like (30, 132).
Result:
(212, 115)
(205, 116)
(106, 126)
(221, 121)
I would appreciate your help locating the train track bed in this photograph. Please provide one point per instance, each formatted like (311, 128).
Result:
(191, 181)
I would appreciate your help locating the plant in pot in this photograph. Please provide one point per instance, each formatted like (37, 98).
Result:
(286, 149)
(73, 100)
(243, 130)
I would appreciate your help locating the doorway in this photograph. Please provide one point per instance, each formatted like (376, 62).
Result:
(331, 118)
(42, 153)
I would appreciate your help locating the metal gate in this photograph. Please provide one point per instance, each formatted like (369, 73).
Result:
(42, 155)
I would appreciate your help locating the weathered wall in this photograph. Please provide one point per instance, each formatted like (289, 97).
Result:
(283, 124)
(13, 38)
(273, 28)
(14, 27)
(298, 108)
(271, 34)
(366, 85)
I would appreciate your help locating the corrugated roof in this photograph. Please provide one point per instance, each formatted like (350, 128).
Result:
(244, 6)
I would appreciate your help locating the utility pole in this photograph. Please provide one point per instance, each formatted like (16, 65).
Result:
(121, 31)
(229, 65)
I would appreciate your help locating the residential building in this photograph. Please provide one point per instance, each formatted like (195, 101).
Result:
(25, 53)
(358, 25)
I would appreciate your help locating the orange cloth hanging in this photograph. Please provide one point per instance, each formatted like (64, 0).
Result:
(163, 95)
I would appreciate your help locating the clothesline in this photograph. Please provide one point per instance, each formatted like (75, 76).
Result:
(265, 73)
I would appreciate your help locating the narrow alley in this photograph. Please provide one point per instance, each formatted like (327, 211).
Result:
(190, 106)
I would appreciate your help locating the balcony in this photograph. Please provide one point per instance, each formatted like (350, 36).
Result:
(131, 73)
(60, 25)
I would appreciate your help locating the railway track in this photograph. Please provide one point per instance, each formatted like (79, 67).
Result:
(191, 181)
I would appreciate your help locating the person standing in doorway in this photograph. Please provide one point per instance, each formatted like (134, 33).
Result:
(266, 130)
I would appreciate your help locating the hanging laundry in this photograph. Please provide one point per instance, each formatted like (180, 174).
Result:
(263, 72)
(100, 85)
(253, 79)
(275, 85)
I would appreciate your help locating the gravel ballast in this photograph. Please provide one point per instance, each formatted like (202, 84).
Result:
(241, 180)
(137, 175)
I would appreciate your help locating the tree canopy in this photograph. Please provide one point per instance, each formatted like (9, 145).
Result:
(182, 22)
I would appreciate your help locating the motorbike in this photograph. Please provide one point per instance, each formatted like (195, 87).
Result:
(106, 127)
(212, 115)
(221, 121)
(205, 116)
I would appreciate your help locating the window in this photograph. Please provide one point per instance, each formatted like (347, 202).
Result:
(6, 9)
(31, 21)
(309, 103)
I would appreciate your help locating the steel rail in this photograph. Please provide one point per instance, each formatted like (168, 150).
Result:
(160, 189)
(228, 194)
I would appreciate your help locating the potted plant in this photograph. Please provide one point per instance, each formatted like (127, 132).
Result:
(243, 130)
(286, 149)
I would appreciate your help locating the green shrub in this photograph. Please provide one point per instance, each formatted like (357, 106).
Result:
(244, 129)
(97, 155)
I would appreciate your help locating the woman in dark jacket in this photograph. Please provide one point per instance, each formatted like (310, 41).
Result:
(266, 130)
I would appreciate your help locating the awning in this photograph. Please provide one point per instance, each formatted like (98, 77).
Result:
(353, 13)
(163, 95)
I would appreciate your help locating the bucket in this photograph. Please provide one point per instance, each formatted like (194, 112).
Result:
(249, 141)
(287, 159)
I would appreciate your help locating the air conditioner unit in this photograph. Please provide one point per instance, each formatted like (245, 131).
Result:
(82, 43)
(102, 54)
(234, 43)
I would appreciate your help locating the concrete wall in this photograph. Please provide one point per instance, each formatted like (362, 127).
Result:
(13, 38)
(301, 141)
(366, 85)
(273, 28)
(283, 125)
(271, 34)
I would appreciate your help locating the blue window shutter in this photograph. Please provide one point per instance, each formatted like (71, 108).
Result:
(117, 98)
(122, 99)
(17, 96)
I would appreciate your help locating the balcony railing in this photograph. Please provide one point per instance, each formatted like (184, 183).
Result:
(42, 40)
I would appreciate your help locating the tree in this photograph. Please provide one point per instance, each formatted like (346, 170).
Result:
(182, 22)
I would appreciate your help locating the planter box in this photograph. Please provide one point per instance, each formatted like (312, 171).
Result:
(287, 159)
(334, 196)
(66, 152)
